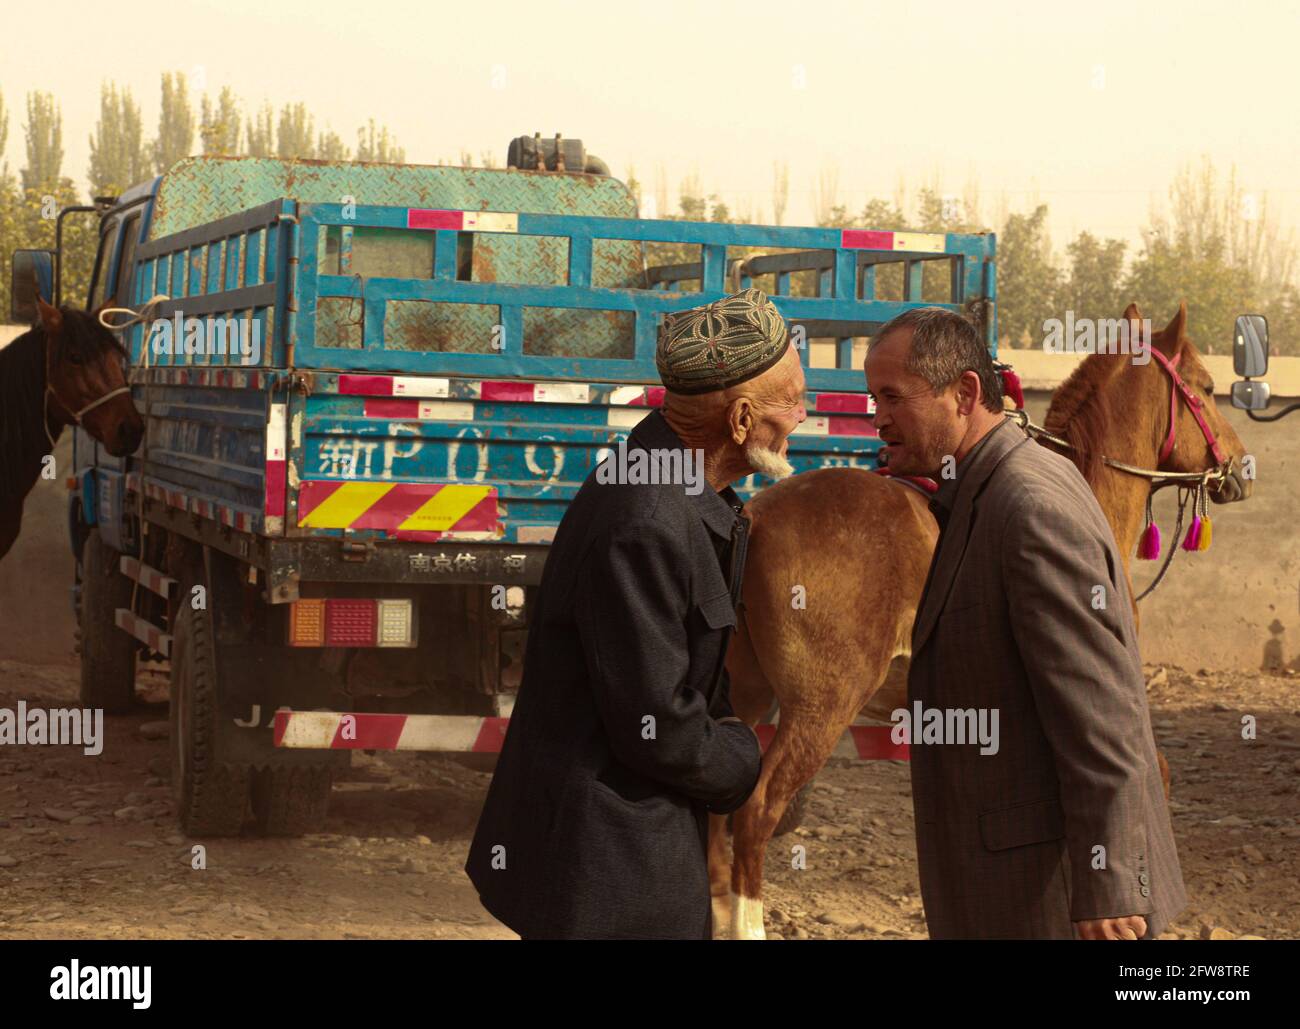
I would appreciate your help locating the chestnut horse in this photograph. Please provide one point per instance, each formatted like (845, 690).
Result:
(66, 370)
(860, 545)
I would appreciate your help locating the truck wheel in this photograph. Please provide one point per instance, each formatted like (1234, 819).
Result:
(107, 653)
(211, 796)
(292, 801)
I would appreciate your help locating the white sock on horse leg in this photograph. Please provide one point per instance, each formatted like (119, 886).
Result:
(747, 918)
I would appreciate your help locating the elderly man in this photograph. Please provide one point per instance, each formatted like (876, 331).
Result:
(623, 739)
(1060, 829)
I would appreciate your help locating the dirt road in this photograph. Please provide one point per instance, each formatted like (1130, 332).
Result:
(89, 847)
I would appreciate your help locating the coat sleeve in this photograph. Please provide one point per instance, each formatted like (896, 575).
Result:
(632, 607)
(1089, 693)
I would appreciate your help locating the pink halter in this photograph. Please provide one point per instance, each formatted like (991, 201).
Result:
(1194, 405)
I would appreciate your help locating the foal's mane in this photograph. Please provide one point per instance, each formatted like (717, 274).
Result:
(1080, 412)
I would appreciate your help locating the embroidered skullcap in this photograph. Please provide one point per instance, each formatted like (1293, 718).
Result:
(721, 344)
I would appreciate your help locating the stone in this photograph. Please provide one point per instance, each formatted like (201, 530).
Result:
(56, 814)
(1253, 854)
(839, 918)
(155, 730)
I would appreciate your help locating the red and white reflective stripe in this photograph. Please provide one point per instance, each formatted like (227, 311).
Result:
(844, 403)
(419, 410)
(233, 378)
(535, 392)
(462, 221)
(331, 730)
(913, 242)
(150, 578)
(276, 470)
(393, 386)
(146, 632)
(334, 730)
(175, 498)
(638, 396)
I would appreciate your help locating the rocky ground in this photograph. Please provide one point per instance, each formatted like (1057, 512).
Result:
(89, 847)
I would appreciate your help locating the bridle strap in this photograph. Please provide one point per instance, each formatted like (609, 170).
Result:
(95, 403)
(1194, 406)
(75, 415)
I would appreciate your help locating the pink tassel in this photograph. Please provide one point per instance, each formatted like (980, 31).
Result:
(1149, 543)
(1193, 538)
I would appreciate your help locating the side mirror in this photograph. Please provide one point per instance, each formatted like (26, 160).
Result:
(1250, 345)
(1250, 396)
(32, 270)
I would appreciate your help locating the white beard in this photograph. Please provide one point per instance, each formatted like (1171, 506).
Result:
(767, 462)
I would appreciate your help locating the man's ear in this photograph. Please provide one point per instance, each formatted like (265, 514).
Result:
(970, 394)
(740, 419)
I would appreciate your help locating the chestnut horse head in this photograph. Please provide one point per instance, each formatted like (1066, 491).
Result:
(85, 382)
(1151, 407)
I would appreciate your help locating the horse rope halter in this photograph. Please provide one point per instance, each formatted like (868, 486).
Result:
(76, 414)
(1193, 486)
(144, 314)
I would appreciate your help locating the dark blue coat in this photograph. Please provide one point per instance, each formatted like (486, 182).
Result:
(596, 821)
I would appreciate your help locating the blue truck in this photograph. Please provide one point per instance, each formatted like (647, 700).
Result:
(370, 391)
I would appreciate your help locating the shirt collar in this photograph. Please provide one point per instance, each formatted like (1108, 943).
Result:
(718, 509)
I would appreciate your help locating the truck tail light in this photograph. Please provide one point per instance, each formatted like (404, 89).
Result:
(345, 622)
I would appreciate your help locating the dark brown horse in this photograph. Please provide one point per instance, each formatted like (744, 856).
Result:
(66, 370)
(860, 546)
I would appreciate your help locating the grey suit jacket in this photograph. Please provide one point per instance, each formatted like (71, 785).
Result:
(1028, 612)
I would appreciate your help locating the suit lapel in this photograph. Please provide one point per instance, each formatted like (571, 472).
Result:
(1005, 438)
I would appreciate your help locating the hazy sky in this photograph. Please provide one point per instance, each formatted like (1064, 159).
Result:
(1090, 108)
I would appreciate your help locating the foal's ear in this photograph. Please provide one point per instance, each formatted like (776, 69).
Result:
(1134, 318)
(1174, 336)
(51, 317)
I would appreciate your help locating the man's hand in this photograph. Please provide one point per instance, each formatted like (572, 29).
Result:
(1130, 927)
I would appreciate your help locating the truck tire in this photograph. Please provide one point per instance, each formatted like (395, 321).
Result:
(107, 652)
(211, 796)
(292, 801)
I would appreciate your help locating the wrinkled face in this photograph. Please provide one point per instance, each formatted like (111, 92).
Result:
(919, 428)
(85, 363)
(783, 409)
(779, 408)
